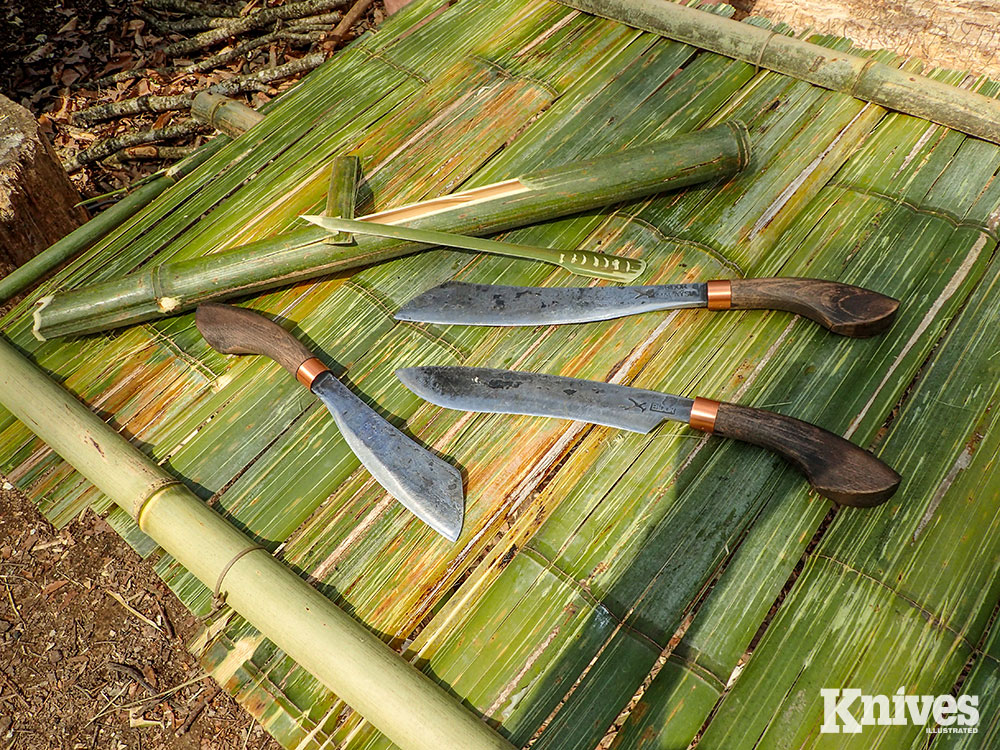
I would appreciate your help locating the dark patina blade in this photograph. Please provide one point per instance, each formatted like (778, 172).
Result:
(427, 485)
(513, 392)
(486, 304)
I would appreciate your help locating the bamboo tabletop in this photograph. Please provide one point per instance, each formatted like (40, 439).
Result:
(603, 579)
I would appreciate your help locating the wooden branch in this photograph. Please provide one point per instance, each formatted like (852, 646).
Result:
(105, 148)
(194, 8)
(253, 21)
(230, 87)
(351, 17)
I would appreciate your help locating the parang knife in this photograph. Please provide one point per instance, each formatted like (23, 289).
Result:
(835, 467)
(842, 308)
(427, 485)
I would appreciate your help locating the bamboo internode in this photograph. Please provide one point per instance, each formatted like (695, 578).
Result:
(547, 194)
(402, 702)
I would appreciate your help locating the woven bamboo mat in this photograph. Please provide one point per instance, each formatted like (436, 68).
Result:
(604, 580)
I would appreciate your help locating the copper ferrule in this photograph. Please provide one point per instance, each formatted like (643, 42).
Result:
(703, 414)
(720, 294)
(309, 370)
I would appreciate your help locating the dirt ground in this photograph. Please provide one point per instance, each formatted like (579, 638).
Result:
(92, 647)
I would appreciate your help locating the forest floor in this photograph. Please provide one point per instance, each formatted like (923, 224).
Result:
(92, 643)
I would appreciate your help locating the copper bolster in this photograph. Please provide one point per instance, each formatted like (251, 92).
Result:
(720, 294)
(309, 370)
(703, 413)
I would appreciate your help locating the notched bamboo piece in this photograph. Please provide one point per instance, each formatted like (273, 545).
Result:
(582, 262)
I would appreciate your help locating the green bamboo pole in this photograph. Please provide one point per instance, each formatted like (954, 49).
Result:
(230, 116)
(547, 194)
(87, 234)
(861, 77)
(342, 195)
(403, 703)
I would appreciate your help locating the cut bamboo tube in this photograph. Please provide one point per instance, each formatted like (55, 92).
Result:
(399, 700)
(547, 194)
(342, 194)
(86, 235)
(231, 117)
(861, 77)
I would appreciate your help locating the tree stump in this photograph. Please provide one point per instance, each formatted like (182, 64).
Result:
(37, 200)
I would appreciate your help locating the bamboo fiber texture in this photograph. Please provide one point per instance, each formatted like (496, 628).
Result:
(550, 193)
(401, 701)
(587, 553)
(860, 77)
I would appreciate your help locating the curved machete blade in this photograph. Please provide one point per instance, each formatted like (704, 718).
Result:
(513, 392)
(418, 479)
(487, 304)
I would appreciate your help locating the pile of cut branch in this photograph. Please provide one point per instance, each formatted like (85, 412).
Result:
(129, 118)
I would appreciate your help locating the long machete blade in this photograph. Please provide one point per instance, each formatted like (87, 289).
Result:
(484, 304)
(512, 392)
(429, 487)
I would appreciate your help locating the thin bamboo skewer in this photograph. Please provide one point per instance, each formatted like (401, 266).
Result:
(171, 288)
(861, 77)
(583, 262)
(399, 700)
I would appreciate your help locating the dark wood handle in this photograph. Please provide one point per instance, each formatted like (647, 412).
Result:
(844, 309)
(234, 330)
(835, 467)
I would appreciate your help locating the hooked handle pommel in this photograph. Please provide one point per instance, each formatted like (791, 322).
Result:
(842, 308)
(836, 467)
(235, 330)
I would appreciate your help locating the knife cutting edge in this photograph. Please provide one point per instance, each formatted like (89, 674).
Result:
(422, 482)
(836, 468)
(842, 308)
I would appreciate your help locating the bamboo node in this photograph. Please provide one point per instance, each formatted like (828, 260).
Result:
(763, 49)
(141, 503)
(219, 598)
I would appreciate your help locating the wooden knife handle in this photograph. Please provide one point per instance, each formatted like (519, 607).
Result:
(842, 308)
(836, 468)
(235, 330)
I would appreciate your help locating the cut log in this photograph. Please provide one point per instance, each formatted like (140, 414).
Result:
(37, 200)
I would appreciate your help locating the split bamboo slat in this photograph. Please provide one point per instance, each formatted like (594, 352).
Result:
(588, 554)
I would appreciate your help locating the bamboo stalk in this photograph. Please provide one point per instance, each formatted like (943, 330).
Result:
(86, 235)
(342, 194)
(583, 262)
(402, 702)
(861, 77)
(231, 117)
(547, 194)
